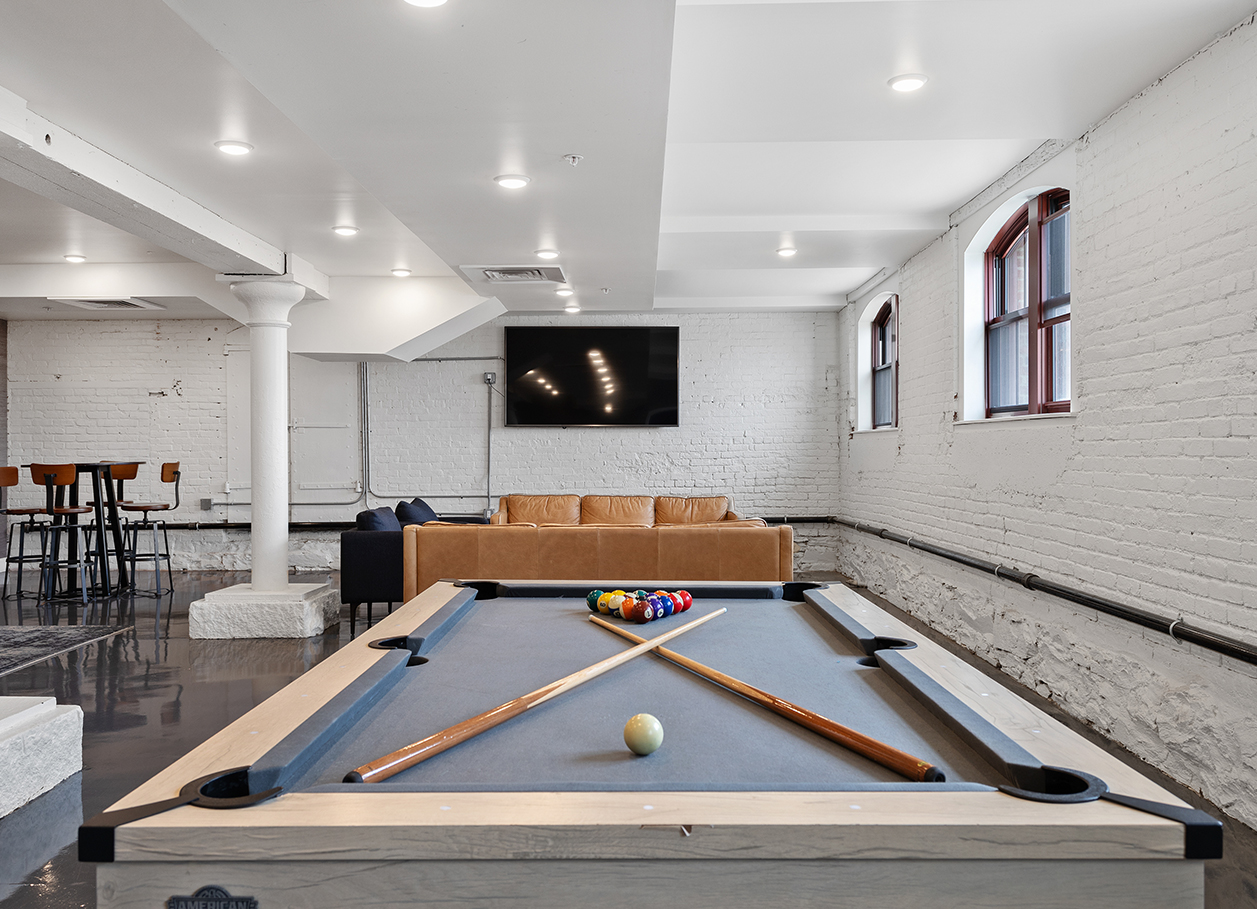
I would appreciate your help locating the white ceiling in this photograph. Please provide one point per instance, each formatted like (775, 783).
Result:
(712, 132)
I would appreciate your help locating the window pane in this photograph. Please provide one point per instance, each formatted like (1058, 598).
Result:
(1056, 267)
(1059, 343)
(1008, 362)
(881, 351)
(1016, 289)
(882, 396)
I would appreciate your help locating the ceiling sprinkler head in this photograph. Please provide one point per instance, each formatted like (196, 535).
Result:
(573, 159)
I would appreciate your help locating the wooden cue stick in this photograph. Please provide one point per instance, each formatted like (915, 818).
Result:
(890, 757)
(399, 760)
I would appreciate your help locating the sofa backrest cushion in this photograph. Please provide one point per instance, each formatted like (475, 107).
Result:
(414, 512)
(617, 510)
(542, 509)
(608, 554)
(690, 509)
(381, 518)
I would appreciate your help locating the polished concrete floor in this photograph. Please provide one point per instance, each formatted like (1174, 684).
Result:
(151, 694)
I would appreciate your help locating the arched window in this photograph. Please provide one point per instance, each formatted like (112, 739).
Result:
(1027, 310)
(885, 365)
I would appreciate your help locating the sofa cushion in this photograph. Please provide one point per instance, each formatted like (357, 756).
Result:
(690, 509)
(414, 512)
(617, 510)
(381, 518)
(542, 509)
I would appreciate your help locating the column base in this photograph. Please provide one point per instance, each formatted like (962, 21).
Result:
(301, 611)
(41, 744)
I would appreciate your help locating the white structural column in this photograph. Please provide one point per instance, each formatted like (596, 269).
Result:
(269, 303)
(268, 607)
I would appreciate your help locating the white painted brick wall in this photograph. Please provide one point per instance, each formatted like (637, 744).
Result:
(92, 390)
(1147, 493)
(759, 420)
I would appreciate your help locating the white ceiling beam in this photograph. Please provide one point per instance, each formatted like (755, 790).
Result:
(387, 318)
(702, 224)
(120, 281)
(44, 158)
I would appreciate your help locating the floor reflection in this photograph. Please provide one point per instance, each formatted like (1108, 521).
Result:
(149, 695)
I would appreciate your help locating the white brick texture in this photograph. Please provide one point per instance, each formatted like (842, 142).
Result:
(759, 420)
(1147, 493)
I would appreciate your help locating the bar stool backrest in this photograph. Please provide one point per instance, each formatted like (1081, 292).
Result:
(50, 476)
(9, 476)
(170, 474)
(121, 473)
(124, 471)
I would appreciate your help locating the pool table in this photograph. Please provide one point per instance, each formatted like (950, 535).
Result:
(739, 807)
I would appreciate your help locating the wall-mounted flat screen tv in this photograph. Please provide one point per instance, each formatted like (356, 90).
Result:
(591, 376)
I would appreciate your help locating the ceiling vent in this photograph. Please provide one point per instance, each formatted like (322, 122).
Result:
(515, 274)
(111, 304)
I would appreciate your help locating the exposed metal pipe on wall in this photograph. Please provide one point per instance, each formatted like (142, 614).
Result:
(1175, 628)
(366, 435)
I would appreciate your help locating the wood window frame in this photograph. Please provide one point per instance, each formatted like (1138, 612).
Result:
(887, 316)
(1039, 352)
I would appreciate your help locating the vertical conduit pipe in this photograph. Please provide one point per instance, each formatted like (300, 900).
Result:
(488, 453)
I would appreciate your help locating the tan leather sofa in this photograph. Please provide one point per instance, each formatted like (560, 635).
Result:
(718, 547)
(647, 511)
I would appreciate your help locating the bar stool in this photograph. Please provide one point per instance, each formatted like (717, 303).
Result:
(54, 477)
(169, 474)
(9, 477)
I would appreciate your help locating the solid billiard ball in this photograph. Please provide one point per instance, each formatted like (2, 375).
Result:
(646, 611)
(666, 604)
(643, 734)
(592, 600)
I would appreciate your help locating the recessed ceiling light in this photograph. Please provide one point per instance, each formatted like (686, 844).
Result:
(401, 272)
(345, 230)
(571, 307)
(546, 253)
(233, 147)
(512, 181)
(75, 259)
(565, 292)
(786, 252)
(426, 3)
(607, 408)
(907, 82)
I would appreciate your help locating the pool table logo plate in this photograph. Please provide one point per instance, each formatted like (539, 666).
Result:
(211, 898)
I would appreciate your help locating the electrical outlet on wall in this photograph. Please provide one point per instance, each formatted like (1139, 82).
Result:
(490, 378)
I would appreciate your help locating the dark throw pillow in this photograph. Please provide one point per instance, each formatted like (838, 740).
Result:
(415, 512)
(381, 518)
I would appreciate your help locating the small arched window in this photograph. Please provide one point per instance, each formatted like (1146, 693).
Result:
(885, 365)
(1027, 310)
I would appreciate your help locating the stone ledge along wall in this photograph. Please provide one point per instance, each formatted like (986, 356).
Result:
(1147, 493)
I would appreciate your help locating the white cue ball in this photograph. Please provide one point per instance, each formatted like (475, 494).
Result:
(643, 734)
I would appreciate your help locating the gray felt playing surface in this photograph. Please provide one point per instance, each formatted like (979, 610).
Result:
(713, 739)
